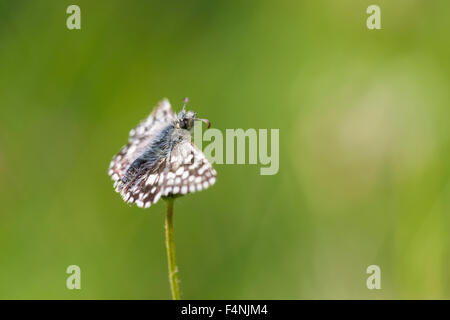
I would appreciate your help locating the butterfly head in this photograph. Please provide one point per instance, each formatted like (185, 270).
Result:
(186, 119)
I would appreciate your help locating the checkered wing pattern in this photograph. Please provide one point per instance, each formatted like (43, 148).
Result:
(186, 170)
(189, 170)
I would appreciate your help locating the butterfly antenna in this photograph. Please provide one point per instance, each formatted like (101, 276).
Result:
(185, 102)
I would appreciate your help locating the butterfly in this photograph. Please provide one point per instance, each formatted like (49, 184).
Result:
(160, 159)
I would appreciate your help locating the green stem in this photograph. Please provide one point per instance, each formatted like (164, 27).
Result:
(170, 245)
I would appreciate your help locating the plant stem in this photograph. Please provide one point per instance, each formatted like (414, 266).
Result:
(170, 245)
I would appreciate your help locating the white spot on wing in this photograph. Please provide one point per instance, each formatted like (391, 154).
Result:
(170, 175)
(151, 179)
(157, 197)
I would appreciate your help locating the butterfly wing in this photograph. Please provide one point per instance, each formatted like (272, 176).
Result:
(161, 114)
(145, 189)
(189, 170)
(185, 170)
(140, 137)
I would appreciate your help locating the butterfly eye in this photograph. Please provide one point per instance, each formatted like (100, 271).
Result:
(183, 124)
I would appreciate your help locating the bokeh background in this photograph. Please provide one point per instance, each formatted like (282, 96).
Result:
(364, 148)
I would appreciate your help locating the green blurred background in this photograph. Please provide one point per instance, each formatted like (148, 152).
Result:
(364, 148)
